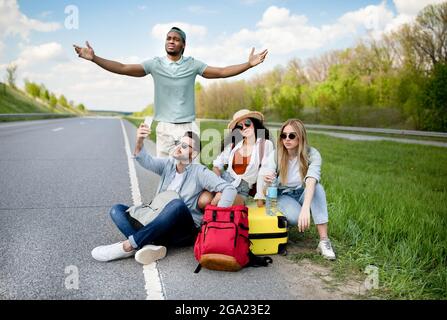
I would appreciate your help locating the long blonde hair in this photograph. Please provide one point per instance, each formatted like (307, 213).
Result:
(302, 151)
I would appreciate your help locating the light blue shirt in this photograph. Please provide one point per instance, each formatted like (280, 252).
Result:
(174, 83)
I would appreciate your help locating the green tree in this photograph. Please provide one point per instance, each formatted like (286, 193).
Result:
(429, 33)
(434, 99)
(287, 102)
(32, 89)
(81, 107)
(44, 94)
(11, 75)
(63, 101)
(53, 100)
(257, 97)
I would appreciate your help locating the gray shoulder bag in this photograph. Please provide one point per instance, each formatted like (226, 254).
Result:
(147, 212)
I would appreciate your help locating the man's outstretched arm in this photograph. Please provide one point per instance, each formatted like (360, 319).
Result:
(133, 70)
(253, 60)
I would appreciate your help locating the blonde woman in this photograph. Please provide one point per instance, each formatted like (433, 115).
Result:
(300, 194)
(244, 151)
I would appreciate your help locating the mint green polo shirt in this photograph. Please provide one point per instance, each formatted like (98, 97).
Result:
(174, 82)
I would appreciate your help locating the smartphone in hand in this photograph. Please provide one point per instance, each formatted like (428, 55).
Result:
(148, 121)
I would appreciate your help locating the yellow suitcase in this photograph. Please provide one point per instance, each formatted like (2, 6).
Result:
(267, 234)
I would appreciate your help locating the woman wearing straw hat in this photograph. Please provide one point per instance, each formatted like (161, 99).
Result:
(244, 150)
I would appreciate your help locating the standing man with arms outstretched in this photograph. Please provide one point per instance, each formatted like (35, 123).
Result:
(174, 81)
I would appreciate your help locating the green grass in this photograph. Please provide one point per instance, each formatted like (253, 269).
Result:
(387, 208)
(15, 101)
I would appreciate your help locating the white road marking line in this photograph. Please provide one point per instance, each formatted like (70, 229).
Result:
(153, 285)
(57, 129)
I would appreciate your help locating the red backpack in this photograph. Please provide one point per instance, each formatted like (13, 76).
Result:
(222, 243)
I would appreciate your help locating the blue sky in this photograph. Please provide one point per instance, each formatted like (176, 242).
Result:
(34, 35)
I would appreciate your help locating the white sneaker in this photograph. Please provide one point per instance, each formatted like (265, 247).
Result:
(111, 252)
(150, 253)
(325, 249)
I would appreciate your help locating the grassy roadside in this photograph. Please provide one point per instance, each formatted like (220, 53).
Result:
(387, 209)
(386, 203)
(15, 101)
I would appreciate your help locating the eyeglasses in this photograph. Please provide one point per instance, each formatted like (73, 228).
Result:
(184, 145)
(291, 135)
(246, 124)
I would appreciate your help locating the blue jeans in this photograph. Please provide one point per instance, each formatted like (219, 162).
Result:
(173, 226)
(290, 202)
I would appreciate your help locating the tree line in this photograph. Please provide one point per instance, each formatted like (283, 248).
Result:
(39, 91)
(399, 80)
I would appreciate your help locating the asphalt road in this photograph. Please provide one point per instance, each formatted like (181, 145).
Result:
(58, 180)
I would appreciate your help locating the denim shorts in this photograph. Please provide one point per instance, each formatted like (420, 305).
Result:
(243, 189)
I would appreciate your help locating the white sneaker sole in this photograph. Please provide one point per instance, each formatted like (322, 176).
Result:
(326, 257)
(99, 255)
(150, 253)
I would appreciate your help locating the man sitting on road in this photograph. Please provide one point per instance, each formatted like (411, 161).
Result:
(178, 222)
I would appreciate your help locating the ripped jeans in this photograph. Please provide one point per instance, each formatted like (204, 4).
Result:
(290, 201)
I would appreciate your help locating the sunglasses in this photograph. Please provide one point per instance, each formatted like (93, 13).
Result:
(246, 124)
(291, 135)
(183, 145)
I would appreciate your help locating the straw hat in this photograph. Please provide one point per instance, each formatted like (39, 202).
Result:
(243, 114)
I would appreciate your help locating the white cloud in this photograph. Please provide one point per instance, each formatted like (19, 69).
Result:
(159, 31)
(85, 82)
(372, 17)
(412, 7)
(280, 17)
(285, 33)
(142, 7)
(407, 11)
(13, 22)
(32, 55)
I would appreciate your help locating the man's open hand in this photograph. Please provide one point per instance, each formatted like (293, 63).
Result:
(255, 59)
(86, 53)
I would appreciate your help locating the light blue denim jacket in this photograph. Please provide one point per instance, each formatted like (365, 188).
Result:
(313, 171)
(197, 178)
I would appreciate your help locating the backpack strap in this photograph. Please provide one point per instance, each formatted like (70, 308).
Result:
(199, 267)
(256, 261)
